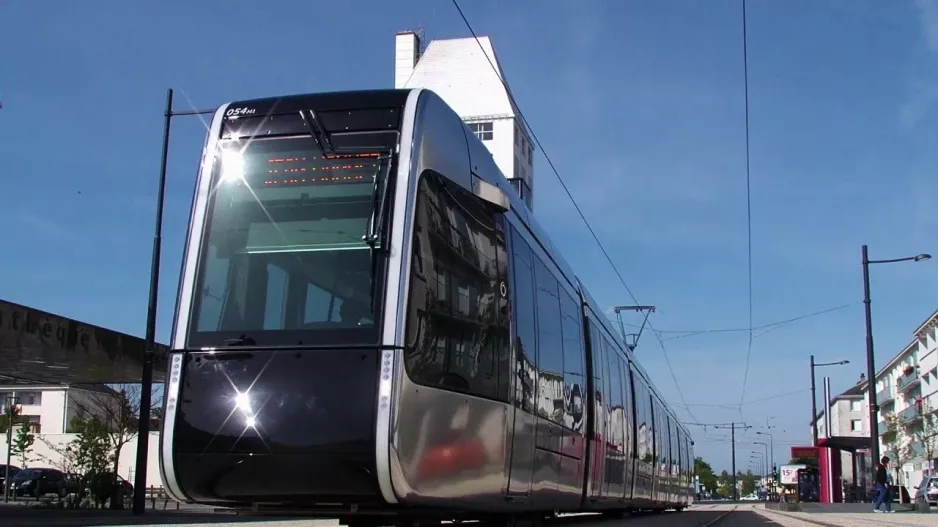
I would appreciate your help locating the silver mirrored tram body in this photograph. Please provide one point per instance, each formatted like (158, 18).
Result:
(487, 379)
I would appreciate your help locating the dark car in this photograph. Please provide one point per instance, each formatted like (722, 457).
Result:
(927, 490)
(38, 482)
(3, 474)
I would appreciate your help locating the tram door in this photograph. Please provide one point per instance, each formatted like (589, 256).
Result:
(524, 361)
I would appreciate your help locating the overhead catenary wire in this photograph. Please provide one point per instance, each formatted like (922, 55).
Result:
(742, 395)
(771, 326)
(753, 401)
(579, 211)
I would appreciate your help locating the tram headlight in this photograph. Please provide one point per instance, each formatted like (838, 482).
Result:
(232, 166)
(243, 402)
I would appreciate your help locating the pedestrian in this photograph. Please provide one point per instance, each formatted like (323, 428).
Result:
(883, 501)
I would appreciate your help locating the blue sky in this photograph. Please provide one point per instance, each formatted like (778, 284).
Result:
(639, 104)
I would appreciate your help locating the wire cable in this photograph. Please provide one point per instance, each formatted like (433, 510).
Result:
(768, 327)
(742, 396)
(572, 200)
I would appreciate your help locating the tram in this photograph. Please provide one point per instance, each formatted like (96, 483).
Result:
(371, 325)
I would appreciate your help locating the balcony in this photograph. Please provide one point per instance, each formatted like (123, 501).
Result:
(886, 395)
(908, 381)
(909, 413)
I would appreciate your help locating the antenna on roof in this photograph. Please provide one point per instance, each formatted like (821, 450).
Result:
(631, 339)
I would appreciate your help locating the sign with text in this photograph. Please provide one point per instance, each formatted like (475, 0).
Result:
(789, 474)
(804, 452)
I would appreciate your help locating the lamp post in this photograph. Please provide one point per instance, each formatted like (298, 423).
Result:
(814, 394)
(146, 377)
(771, 447)
(870, 359)
(11, 413)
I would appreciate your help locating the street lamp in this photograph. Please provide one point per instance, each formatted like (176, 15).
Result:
(771, 447)
(814, 396)
(11, 413)
(870, 359)
(761, 460)
(146, 377)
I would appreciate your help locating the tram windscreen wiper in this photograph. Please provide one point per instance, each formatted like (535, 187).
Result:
(243, 340)
(375, 228)
(317, 131)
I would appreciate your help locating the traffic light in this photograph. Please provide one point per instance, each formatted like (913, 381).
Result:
(775, 472)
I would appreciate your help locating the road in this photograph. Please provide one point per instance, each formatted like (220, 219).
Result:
(701, 515)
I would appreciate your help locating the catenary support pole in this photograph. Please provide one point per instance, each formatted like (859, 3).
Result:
(870, 362)
(813, 406)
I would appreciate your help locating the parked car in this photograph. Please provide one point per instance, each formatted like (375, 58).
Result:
(927, 490)
(38, 482)
(3, 474)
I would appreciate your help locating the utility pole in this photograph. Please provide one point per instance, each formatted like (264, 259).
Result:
(733, 426)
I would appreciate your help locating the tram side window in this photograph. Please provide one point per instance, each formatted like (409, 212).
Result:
(626, 400)
(596, 358)
(642, 421)
(618, 426)
(525, 324)
(573, 366)
(673, 459)
(661, 441)
(454, 327)
(550, 395)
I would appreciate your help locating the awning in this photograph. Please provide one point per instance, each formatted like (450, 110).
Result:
(845, 443)
(39, 347)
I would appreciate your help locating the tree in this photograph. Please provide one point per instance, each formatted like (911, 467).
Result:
(23, 442)
(704, 473)
(90, 454)
(927, 432)
(726, 483)
(748, 483)
(895, 442)
(117, 410)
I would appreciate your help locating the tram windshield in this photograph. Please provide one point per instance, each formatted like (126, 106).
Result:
(291, 248)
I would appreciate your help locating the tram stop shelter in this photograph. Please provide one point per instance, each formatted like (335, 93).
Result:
(41, 347)
(859, 450)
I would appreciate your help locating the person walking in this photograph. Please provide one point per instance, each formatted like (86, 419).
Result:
(883, 501)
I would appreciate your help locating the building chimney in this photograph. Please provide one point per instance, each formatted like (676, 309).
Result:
(862, 379)
(406, 55)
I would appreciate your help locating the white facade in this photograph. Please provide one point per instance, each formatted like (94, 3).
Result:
(47, 450)
(907, 391)
(850, 417)
(466, 74)
(49, 408)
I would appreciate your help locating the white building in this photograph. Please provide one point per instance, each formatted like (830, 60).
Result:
(907, 394)
(850, 417)
(50, 408)
(467, 75)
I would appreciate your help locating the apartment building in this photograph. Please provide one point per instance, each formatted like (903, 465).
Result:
(907, 394)
(466, 73)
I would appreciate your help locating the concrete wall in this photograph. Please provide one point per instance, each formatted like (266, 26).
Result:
(47, 452)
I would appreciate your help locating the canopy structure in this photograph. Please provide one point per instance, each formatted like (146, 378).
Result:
(40, 347)
(845, 443)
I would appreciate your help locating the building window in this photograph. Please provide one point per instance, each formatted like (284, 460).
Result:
(856, 425)
(482, 130)
(854, 406)
(517, 135)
